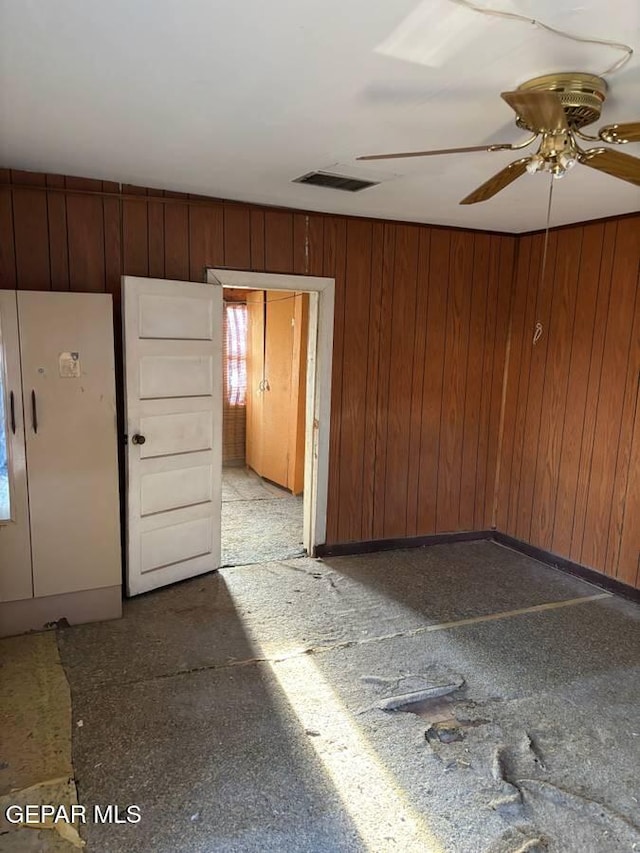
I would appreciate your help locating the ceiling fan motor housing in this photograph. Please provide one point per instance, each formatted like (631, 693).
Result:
(582, 95)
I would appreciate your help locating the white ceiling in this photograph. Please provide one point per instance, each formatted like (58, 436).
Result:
(235, 98)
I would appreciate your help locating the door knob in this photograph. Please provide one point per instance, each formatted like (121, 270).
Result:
(138, 439)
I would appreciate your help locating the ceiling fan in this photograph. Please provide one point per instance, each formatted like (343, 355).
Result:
(554, 108)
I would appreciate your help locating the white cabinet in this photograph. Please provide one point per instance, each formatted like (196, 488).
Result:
(59, 508)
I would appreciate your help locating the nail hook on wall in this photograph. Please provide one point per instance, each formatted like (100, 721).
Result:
(537, 334)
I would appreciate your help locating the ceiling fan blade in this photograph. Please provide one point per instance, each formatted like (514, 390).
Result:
(614, 163)
(500, 147)
(540, 111)
(621, 133)
(498, 182)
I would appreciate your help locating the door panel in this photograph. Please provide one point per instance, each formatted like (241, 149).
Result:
(15, 545)
(66, 343)
(175, 376)
(173, 365)
(184, 432)
(174, 317)
(167, 489)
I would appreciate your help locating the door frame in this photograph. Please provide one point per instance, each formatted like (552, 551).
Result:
(321, 292)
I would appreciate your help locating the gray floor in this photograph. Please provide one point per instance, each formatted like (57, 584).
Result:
(260, 521)
(244, 711)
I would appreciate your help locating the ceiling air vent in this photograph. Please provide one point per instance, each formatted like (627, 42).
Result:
(335, 182)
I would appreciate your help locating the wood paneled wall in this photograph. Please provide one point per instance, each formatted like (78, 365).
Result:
(428, 433)
(420, 327)
(570, 461)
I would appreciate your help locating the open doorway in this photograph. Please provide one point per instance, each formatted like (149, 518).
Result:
(277, 348)
(265, 343)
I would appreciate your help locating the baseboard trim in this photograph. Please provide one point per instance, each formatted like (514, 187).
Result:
(74, 608)
(569, 566)
(370, 546)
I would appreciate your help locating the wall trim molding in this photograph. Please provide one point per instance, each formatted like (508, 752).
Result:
(371, 546)
(568, 566)
(548, 558)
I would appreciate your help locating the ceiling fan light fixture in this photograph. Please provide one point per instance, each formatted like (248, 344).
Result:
(536, 164)
(567, 161)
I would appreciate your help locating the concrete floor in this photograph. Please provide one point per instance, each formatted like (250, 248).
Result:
(244, 711)
(260, 521)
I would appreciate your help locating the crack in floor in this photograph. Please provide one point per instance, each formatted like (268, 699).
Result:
(347, 644)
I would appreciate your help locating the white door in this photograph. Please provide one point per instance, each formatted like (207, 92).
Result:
(173, 410)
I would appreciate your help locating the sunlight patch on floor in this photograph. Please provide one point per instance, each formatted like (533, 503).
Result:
(376, 804)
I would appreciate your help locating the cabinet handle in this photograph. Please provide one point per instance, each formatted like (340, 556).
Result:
(12, 412)
(34, 412)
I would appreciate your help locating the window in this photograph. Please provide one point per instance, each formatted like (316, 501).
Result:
(235, 334)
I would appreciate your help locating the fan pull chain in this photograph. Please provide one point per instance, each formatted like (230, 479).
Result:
(538, 332)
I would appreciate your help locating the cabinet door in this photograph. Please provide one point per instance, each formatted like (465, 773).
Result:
(255, 376)
(15, 549)
(277, 396)
(68, 381)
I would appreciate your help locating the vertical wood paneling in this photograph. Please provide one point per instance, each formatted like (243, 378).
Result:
(484, 484)
(135, 234)
(402, 322)
(112, 248)
(354, 384)
(307, 244)
(155, 234)
(632, 389)
(85, 219)
(611, 397)
(628, 569)
(206, 240)
(432, 384)
(582, 449)
(506, 248)
(537, 369)
(520, 321)
(554, 394)
(278, 235)
(593, 390)
(422, 418)
(7, 253)
(178, 264)
(237, 237)
(473, 380)
(31, 237)
(384, 366)
(257, 240)
(373, 358)
(58, 234)
(418, 368)
(454, 382)
(567, 483)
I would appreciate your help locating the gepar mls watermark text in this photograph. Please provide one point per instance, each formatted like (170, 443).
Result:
(38, 814)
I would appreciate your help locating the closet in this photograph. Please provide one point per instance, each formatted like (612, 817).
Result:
(59, 504)
(276, 385)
